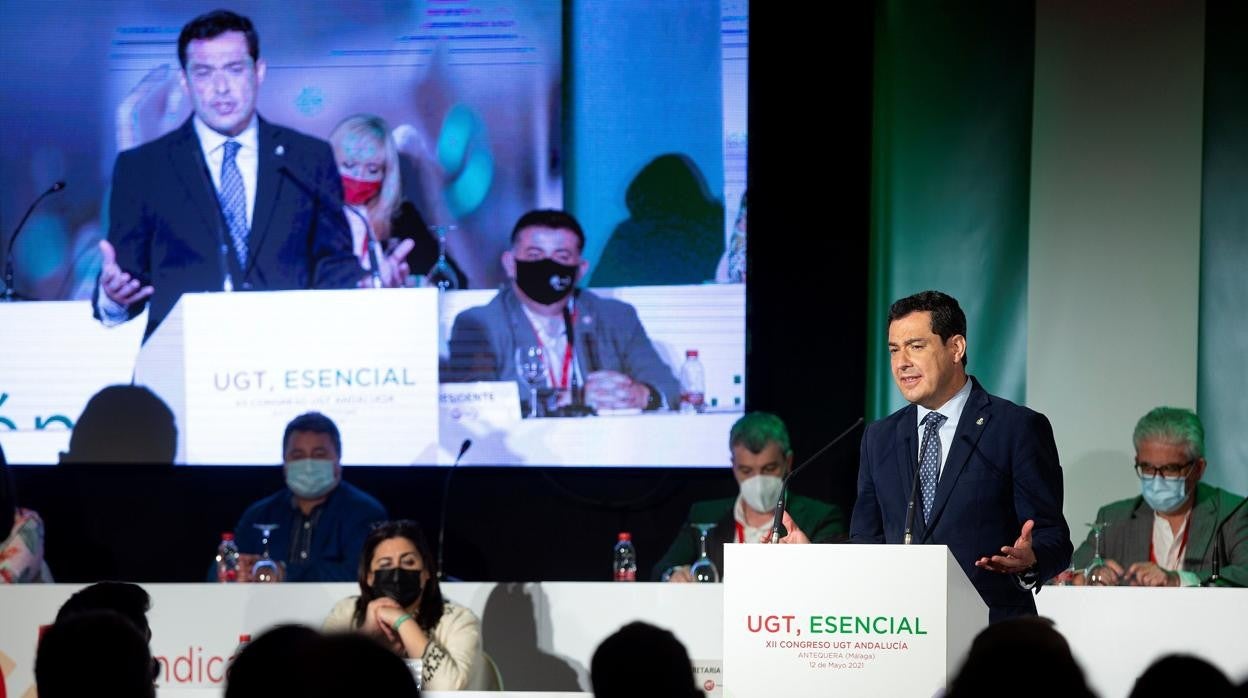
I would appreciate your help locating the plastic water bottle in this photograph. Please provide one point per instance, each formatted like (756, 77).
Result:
(227, 559)
(625, 558)
(692, 384)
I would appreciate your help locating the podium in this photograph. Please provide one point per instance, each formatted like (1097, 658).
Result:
(846, 620)
(235, 368)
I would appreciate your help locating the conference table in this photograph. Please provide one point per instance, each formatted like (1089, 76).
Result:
(542, 635)
(234, 369)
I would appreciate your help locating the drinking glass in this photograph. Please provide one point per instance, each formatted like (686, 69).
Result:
(530, 365)
(442, 274)
(1097, 573)
(266, 569)
(703, 570)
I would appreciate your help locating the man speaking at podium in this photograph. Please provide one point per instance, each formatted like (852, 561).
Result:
(960, 467)
(228, 200)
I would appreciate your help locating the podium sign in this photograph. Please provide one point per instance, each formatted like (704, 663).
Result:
(236, 367)
(852, 620)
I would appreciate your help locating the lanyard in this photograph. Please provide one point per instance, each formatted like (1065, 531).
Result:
(567, 357)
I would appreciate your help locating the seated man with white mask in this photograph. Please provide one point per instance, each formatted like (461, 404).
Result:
(1166, 536)
(761, 458)
(320, 521)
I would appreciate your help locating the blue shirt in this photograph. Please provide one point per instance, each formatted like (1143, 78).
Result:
(323, 546)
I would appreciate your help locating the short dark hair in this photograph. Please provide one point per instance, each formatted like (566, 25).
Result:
(316, 423)
(669, 673)
(1033, 637)
(270, 664)
(214, 24)
(430, 597)
(947, 316)
(1182, 674)
(550, 218)
(131, 601)
(79, 655)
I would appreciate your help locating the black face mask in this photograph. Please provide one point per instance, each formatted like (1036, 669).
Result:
(545, 280)
(399, 584)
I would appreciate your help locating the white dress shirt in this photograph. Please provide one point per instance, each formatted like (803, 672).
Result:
(247, 158)
(1170, 545)
(952, 411)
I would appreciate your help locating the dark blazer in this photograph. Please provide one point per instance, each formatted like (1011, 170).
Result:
(608, 336)
(1130, 534)
(167, 227)
(1001, 469)
(821, 522)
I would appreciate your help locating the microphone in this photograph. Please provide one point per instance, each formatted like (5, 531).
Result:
(778, 529)
(323, 197)
(908, 536)
(914, 495)
(9, 293)
(225, 243)
(446, 494)
(577, 408)
(1219, 546)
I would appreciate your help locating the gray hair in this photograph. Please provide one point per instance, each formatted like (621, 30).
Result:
(1173, 425)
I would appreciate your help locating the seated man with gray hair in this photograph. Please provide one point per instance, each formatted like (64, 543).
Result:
(1167, 535)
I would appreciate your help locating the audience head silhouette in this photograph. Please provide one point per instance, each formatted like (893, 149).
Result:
(1182, 675)
(124, 424)
(642, 650)
(94, 652)
(1000, 646)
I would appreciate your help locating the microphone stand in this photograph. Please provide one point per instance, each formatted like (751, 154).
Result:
(1219, 547)
(373, 245)
(446, 494)
(10, 294)
(375, 272)
(914, 495)
(778, 529)
(577, 408)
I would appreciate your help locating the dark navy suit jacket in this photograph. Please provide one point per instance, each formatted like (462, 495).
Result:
(1001, 470)
(167, 227)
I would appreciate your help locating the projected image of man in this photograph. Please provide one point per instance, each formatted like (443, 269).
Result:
(227, 201)
(609, 353)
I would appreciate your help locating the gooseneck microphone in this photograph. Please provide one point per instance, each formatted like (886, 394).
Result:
(914, 495)
(908, 536)
(9, 293)
(1219, 546)
(576, 386)
(446, 493)
(778, 529)
(327, 198)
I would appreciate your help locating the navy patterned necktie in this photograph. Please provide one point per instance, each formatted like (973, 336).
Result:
(233, 200)
(929, 460)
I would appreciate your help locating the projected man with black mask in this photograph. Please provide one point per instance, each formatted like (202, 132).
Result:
(588, 342)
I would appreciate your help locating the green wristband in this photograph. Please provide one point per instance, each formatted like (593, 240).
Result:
(399, 621)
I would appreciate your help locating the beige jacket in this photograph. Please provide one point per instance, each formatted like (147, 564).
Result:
(453, 661)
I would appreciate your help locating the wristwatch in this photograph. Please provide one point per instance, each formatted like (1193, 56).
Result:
(655, 401)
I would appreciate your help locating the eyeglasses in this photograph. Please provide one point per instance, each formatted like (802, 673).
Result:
(1171, 471)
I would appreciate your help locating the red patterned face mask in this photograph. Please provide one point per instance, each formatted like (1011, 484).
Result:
(357, 191)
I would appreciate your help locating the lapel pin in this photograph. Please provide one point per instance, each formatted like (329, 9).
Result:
(279, 150)
(979, 422)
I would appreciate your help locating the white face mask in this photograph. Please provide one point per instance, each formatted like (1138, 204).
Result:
(310, 478)
(761, 492)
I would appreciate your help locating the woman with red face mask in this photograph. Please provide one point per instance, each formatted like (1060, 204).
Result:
(368, 162)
